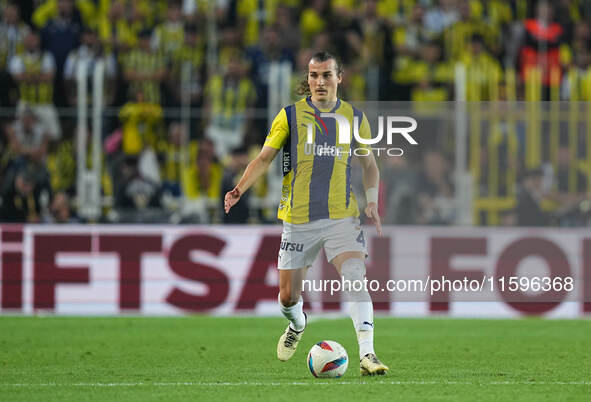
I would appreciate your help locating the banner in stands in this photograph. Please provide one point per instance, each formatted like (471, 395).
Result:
(227, 270)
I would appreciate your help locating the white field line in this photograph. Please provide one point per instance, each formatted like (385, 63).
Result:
(275, 384)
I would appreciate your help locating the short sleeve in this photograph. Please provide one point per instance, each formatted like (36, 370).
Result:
(279, 131)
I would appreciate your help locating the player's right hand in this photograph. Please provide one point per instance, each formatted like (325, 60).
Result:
(231, 198)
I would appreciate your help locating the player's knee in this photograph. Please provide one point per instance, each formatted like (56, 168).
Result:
(353, 269)
(286, 298)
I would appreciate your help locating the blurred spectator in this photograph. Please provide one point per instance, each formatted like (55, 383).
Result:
(20, 197)
(571, 183)
(288, 29)
(432, 76)
(203, 178)
(49, 9)
(567, 14)
(581, 37)
(59, 36)
(440, 17)
(27, 140)
(427, 77)
(145, 69)
(61, 164)
(141, 125)
(28, 149)
(238, 162)
(135, 192)
(201, 184)
(34, 71)
(192, 55)
(376, 49)
(576, 85)
(228, 98)
(300, 73)
(253, 15)
(498, 13)
(89, 53)
(61, 210)
(12, 34)
(457, 36)
(410, 35)
(400, 183)
(313, 20)
(324, 40)
(168, 36)
(149, 12)
(529, 200)
(484, 70)
(176, 155)
(353, 86)
(541, 49)
(230, 47)
(271, 50)
(119, 27)
(343, 34)
(435, 191)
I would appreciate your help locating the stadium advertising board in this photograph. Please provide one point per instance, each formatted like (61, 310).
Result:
(170, 270)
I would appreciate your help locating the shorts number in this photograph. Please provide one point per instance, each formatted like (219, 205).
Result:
(361, 239)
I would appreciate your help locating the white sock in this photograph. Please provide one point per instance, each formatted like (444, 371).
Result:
(365, 339)
(362, 316)
(360, 305)
(295, 314)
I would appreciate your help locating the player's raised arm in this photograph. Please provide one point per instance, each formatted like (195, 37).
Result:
(254, 170)
(371, 182)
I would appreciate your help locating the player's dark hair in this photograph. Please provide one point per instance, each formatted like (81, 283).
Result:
(304, 88)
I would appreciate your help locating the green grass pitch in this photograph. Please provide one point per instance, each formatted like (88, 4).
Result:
(212, 358)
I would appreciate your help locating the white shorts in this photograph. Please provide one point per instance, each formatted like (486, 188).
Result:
(301, 243)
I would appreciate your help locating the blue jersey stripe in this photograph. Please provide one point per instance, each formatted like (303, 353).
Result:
(293, 137)
(356, 113)
(322, 168)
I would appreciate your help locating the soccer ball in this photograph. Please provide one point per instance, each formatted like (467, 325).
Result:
(328, 359)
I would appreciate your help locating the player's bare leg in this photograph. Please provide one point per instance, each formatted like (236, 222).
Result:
(351, 266)
(291, 304)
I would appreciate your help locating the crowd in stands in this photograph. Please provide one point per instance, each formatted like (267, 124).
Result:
(159, 55)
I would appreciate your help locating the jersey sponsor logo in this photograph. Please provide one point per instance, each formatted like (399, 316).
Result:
(323, 150)
(284, 197)
(286, 161)
(288, 246)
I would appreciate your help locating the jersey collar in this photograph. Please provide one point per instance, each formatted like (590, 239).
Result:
(336, 106)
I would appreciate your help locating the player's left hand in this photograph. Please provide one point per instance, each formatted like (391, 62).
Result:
(371, 211)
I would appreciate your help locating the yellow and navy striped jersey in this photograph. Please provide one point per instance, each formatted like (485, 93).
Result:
(316, 176)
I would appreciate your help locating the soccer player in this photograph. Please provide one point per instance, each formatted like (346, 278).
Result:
(317, 206)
